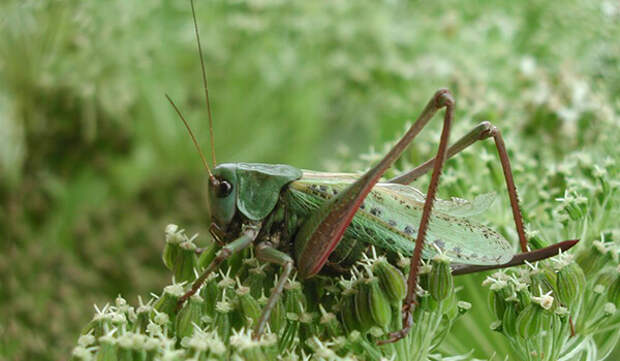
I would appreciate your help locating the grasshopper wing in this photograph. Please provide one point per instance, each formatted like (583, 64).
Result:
(457, 207)
(462, 239)
(390, 215)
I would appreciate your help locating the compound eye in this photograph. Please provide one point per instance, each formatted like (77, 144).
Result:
(223, 189)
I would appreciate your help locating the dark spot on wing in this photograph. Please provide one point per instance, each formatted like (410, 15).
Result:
(375, 211)
(323, 188)
(409, 230)
(392, 222)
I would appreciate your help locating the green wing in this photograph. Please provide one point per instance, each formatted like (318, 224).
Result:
(390, 215)
(457, 207)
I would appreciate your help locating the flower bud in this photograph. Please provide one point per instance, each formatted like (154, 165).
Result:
(277, 320)
(249, 307)
(295, 299)
(330, 323)
(391, 281)
(529, 321)
(188, 316)
(440, 279)
(222, 318)
(108, 349)
(167, 303)
(347, 312)
(209, 293)
(592, 259)
(541, 281)
(379, 303)
(185, 262)
(613, 295)
(536, 242)
(607, 279)
(570, 284)
(173, 238)
(509, 321)
(497, 298)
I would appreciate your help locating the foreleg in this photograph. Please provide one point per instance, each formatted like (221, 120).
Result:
(248, 236)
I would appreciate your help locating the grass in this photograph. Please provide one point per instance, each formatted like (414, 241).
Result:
(93, 163)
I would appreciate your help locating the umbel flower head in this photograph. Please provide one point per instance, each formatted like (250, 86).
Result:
(560, 308)
(335, 318)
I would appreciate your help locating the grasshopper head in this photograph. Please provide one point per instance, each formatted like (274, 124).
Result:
(222, 195)
(251, 188)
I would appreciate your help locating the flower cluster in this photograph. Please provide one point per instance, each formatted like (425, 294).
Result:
(560, 309)
(326, 318)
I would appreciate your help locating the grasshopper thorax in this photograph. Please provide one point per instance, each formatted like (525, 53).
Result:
(252, 189)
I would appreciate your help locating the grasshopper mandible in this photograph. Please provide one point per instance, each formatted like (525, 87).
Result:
(307, 220)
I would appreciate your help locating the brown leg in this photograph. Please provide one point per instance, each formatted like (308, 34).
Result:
(446, 100)
(483, 131)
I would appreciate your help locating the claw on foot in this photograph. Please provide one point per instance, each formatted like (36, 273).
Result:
(407, 323)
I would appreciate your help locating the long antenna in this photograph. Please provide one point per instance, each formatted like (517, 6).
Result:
(204, 82)
(191, 134)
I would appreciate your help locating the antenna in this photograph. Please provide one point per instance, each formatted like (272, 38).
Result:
(191, 134)
(204, 82)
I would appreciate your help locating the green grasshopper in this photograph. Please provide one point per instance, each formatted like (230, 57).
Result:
(313, 221)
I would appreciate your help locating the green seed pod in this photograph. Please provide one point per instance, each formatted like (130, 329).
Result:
(167, 303)
(509, 321)
(379, 303)
(348, 314)
(330, 323)
(256, 281)
(440, 279)
(222, 318)
(169, 254)
(173, 238)
(185, 262)
(497, 299)
(277, 320)
(108, 350)
(536, 242)
(532, 320)
(142, 318)
(540, 281)
(607, 278)
(451, 306)
(391, 281)
(570, 284)
(209, 293)
(426, 303)
(613, 295)
(362, 306)
(249, 307)
(295, 300)
(424, 272)
(189, 315)
(592, 259)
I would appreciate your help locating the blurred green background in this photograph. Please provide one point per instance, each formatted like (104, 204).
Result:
(94, 162)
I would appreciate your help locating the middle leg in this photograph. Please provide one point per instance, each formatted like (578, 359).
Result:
(265, 252)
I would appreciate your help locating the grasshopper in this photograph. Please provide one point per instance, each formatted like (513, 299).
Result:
(313, 221)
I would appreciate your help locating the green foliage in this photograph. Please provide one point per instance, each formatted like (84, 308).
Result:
(93, 163)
